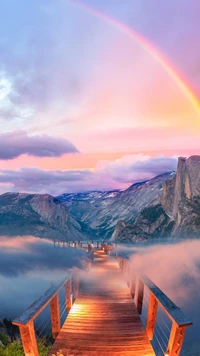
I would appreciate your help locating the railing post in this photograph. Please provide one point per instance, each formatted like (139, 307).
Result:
(76, 285)
(139, 295)
(68, 293)
(120, 263)
(55, 315)
(29, 342)
(175, 340)
(127, 273)
(151, 318)
(133, 284)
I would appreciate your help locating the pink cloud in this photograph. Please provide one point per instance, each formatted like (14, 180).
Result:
(106, 175)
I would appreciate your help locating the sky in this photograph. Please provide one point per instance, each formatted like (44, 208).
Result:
(96, 94)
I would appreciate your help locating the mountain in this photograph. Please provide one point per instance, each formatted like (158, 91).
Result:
(101, 211)
(37, 214)
(167, 205)
(175, 214)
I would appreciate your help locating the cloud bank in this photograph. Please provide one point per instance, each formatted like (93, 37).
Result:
(106, 175)
(20, 255)
(28, 267)
(14, 144)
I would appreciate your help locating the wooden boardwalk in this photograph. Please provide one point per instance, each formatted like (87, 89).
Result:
(103, 319)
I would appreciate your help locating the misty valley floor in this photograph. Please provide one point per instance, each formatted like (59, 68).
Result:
(103, 320)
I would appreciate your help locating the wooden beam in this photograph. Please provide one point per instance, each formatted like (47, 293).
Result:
(151, 318)
(55, 315)
(173, 312)
(175, 340)
(128, 267)
(89, 247)
(139, 295)
(28, 338)
(76, 285)
(68, 293)
(133, 283)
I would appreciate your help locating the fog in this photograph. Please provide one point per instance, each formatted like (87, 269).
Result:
(28, 267)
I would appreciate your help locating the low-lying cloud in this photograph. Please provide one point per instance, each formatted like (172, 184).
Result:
(21, 255)
(174, 268)
(28, 267)
(16, 143)
(105, 176)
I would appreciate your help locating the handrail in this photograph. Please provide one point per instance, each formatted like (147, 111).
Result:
(77, 243)
(39, 305)
(180, 322)
(171, 309)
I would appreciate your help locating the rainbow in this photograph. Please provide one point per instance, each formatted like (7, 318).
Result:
(147, 46)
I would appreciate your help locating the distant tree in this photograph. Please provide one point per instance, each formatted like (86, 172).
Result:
(16, 349)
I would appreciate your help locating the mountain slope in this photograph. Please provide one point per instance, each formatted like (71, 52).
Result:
(177, 213)
(38, 215)
(101, 211)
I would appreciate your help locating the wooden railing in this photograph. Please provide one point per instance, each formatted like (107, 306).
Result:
(51, 297)
(180, 322)
(77, 244)
(26, 320)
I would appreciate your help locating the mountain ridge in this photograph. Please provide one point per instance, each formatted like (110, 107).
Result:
(166, 205)
(39, 215)
(101, 211)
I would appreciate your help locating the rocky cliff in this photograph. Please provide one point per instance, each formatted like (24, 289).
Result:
(100, 211)
(178, 211)
(36, 214)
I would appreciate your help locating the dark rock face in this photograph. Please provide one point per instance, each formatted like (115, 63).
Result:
(185, 185)
(178, 212)
(37, 215)
(125, 232)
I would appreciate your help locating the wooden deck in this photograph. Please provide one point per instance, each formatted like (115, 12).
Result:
(103, 320)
